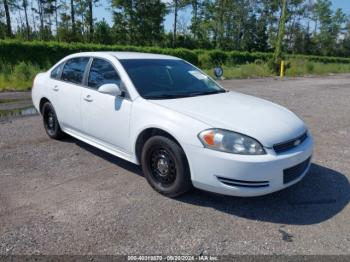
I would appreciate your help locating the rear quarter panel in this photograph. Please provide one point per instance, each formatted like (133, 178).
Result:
(40, 89)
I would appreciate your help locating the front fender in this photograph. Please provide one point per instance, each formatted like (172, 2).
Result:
(147, 115)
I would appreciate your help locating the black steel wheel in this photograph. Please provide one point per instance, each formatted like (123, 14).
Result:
(165, 166)
(51, 124)
(162, 166)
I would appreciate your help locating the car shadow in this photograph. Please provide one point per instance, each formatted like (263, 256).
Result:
(106, 156)
(322, 194)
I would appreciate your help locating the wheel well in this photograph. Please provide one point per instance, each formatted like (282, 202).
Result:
(147, 134)
(42, 102)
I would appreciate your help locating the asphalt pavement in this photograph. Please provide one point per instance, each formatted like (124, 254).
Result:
(66, 197)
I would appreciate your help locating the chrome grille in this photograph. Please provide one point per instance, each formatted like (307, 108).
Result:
(290, 144)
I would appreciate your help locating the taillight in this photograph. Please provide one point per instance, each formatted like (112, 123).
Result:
(33, 82)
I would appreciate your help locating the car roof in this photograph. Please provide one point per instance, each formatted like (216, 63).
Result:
(127, 55)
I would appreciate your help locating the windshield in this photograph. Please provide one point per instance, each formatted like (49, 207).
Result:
(167, 78)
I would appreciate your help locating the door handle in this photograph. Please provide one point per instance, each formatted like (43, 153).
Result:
(55, 88)
(88, 98)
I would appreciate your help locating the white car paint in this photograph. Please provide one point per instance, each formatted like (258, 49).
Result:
(265, 121)
(113, 124)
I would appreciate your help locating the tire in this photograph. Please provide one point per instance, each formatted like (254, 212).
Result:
(51, 124)
(165, 166)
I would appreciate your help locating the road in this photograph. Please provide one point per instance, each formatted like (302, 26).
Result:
(65, 197)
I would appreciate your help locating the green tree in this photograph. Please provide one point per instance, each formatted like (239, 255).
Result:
(44, 10)
(196, 7)
(139, 22)
(310, 26)
(202, 27)
(264, 11)
(175, 6)
(328, 26)
(8, 18)
(346, 41)
(277, 56)
(102, 33)
(72, 16)
(90, 17)
(25, 8)
(85, 26)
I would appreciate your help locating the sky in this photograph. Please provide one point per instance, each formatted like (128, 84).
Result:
(103, 11)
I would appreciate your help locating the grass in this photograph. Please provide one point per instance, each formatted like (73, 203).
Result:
(20, 76)
(302, 68)
(294, 68)
(244, 71)
(17, 78)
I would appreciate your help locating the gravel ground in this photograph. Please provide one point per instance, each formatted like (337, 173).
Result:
(69, 198)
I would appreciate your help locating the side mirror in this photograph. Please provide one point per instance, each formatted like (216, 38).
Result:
(110, 89)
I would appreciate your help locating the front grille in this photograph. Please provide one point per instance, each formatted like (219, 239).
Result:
(295, 172)
(290, 144)
(242, 183)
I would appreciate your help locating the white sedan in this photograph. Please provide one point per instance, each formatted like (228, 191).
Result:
(178, 123)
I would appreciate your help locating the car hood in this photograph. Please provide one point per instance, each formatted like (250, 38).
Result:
(265, 121)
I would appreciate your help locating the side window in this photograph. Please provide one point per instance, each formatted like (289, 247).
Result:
(73, 70)
(102, 72)
(56, 72)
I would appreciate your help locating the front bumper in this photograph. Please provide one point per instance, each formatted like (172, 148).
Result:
(207, 165)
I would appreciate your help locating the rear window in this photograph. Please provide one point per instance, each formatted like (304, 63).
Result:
(73, 70)
(56, 72)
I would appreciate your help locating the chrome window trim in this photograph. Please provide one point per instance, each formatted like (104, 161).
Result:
(86, 74)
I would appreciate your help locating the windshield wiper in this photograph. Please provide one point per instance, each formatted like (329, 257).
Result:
(181, 95)
(208, 93)
(166, 96)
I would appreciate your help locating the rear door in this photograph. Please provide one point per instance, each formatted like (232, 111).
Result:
(105, 117)
(66, 92)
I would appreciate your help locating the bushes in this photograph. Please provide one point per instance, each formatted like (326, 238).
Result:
(212, 58)
(20, 61)
(18, 77)
(217, 57)
(183, 53)
(299, 67)
(25, 71)
(309, 67)
(321, 59)
(204, 60)
(48, 53)
(244, 71)
(45, 54)
(296, 67)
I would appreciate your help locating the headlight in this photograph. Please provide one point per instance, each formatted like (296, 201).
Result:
(231, 142)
